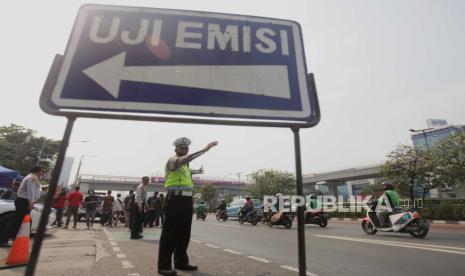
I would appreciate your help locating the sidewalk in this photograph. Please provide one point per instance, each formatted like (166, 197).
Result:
(62, 252)
(109, 251)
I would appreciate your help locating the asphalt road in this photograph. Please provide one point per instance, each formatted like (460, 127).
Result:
(343, 248)
(228, 248)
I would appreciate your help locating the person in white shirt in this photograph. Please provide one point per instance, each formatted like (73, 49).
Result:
(117, 209)
(28, 194)
(139, 207)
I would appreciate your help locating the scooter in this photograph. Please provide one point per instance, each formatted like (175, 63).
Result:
(280, 218)
(401, 221)
(251, 217)
(221, 214)
(319, 218)
(201, 215)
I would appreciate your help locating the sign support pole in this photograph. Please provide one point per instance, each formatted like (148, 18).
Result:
(48, 201)
(300, 209)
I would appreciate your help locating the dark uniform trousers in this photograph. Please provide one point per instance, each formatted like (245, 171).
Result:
(22, 208)
(136, 227)
(176, 232)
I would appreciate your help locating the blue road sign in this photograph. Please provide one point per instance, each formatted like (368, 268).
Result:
(189, 63)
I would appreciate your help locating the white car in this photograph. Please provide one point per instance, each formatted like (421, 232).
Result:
(7, 211)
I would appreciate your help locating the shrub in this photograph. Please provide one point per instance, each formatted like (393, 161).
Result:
(427, 213)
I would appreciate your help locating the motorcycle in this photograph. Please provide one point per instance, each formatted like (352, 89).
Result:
(280, 218)
(221, 214)
(401, 221)
(319, 218)
(251, 217)
(201, 215)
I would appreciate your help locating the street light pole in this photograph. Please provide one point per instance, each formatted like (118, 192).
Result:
(79, 168)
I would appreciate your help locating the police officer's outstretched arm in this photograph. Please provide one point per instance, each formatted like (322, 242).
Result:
(211, 145)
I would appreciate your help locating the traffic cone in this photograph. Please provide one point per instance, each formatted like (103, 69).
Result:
(19, 253)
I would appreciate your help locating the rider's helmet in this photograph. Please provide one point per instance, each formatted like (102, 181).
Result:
(279, 194)
(388, 186)
(183, 141)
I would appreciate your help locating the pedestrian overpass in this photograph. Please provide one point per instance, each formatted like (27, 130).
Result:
(125, 183)
(342, 182)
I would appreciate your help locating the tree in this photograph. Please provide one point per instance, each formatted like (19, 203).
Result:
(407, 167)
(20, 149)
(448, 158)
(208, 193)
(270, 182)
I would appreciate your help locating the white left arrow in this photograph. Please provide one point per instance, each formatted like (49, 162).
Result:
(265, 80)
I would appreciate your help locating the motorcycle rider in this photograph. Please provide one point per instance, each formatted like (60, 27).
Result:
(222, 207)
(248, 207)
(391, 199)
(201, 208)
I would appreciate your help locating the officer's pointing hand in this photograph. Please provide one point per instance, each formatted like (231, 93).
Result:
(211, 145)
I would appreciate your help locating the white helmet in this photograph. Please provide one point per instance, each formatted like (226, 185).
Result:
(182, 141)
(279, 194)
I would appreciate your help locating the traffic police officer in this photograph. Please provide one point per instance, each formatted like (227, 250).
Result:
(178, 208)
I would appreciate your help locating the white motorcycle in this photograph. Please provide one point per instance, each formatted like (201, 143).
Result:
(402, 221)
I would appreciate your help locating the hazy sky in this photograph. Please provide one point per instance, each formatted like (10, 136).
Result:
(382, 67)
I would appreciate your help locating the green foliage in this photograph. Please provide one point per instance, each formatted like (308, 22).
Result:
(444, 211)
(20, 149)
(406, 167)
(270, 182)
(441, 166)
(208, 193)
(448, 158)
(229, 198)
(427, 213)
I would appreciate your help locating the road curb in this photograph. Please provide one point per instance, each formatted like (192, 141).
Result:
(430, 221)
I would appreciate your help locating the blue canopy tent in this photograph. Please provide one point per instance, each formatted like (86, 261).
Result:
(7, 176)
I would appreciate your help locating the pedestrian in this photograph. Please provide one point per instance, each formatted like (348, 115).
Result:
(90, 204)
(28, 194)
(59, 201)
(128, 203)
(158, 210)
(117, 209)
(107, 210)
(74, 200)
(138, 208)
(151, 213)
(178, 208)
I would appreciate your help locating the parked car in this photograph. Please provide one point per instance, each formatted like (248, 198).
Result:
(235, 206)
(7, 212)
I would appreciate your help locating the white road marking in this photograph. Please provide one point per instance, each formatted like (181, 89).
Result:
(290, 268)
(232, 251)
(197, 241)
(116, 249)
(258, 259)
(297, 270)
(226, 225)
(121, 255)
(113, 243)
(127, 264)
(133, 274)
(111, 239)
(415, 246)
(211, 245)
